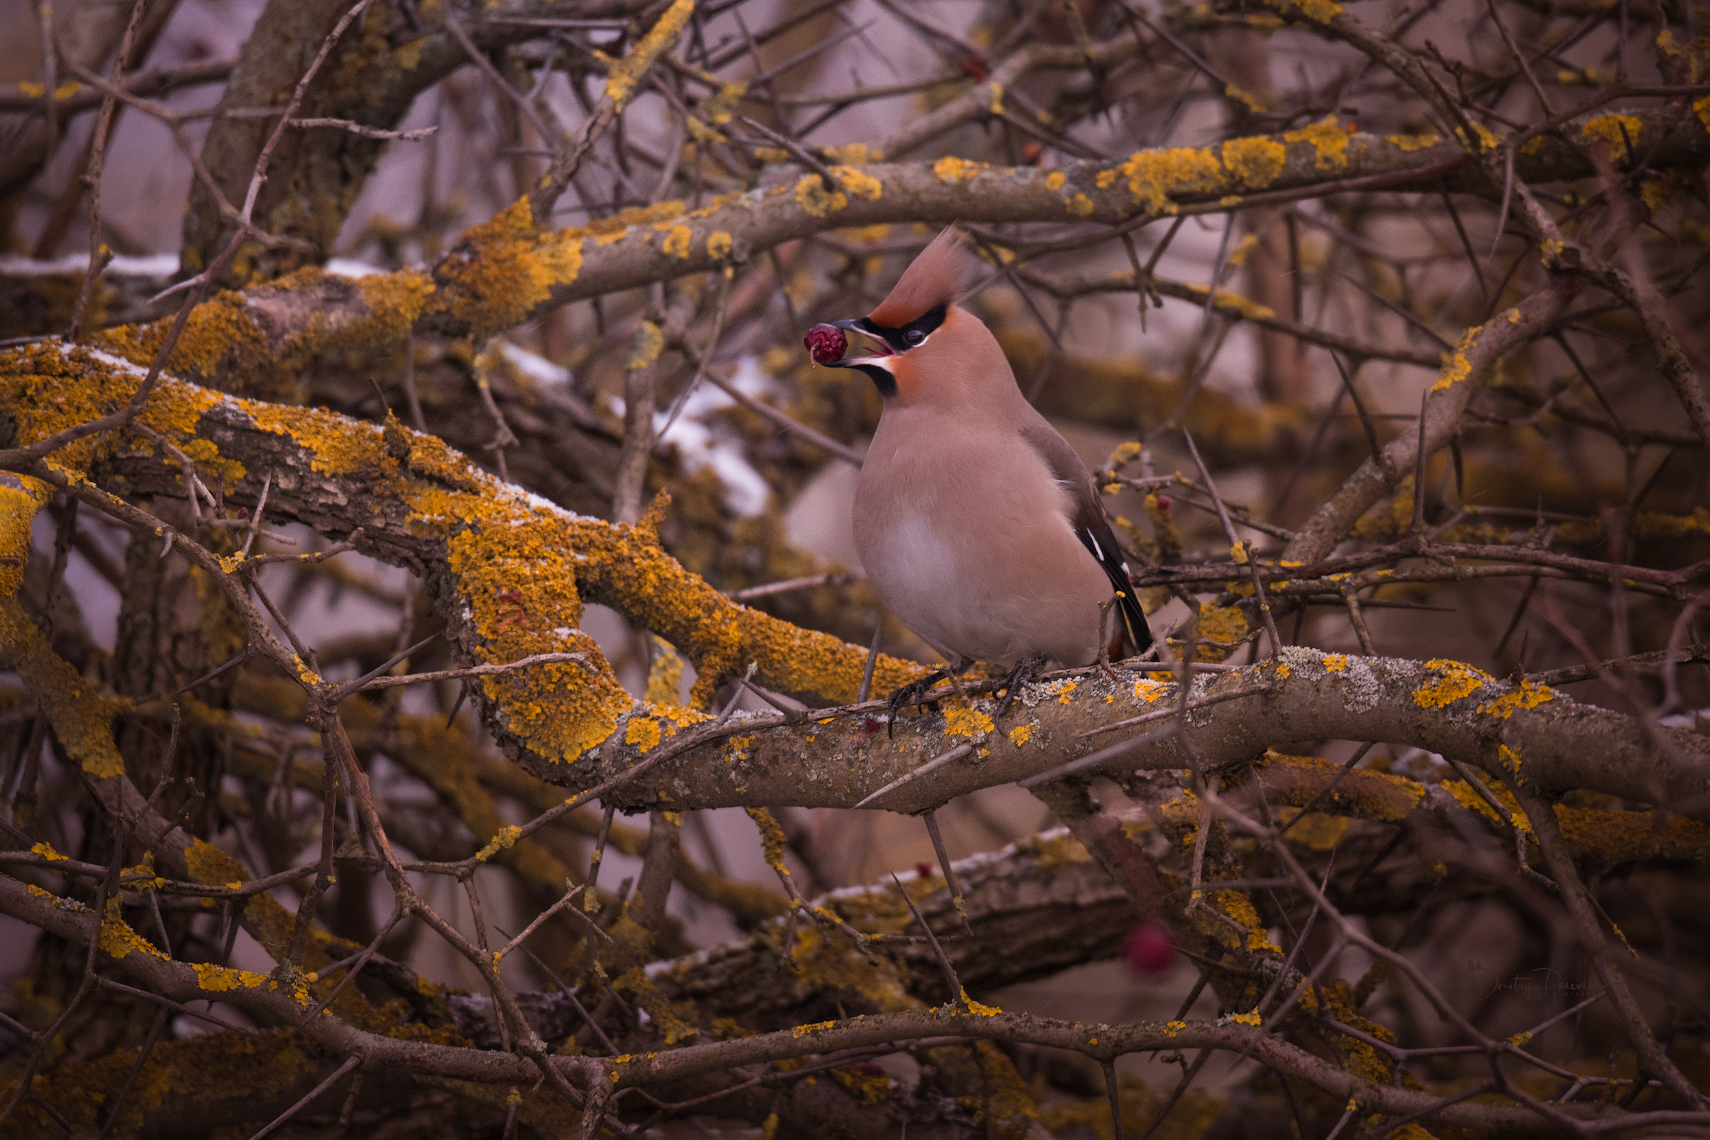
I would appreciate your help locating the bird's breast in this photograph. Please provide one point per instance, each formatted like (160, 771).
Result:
(966, 537)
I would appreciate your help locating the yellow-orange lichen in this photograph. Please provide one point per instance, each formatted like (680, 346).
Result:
(21, 496)
(643, 732)
(678, 243)
(818, 201)
(1456, 366)
(1361, 792)
(1451, 681)
(220, 978)
(520, 586)
(1616, 837)
(1225, 624)
(1329, 142)
(853, 154)
(503, 269)
(956, 170)
(966, 720)
(503, 839)
(802, 1030)
(623, 76)
(1616, 132)
(1255, 162)
(1424, 141)
(1149, 690)
(648, 341)
(1482, 138)
(81, 718)
(336, 445)
(1059, 850)
(1239, 907)
(237, 331)
(208, 864)
(1317, 831)
(1525, 695)
(117, 939)
(773, 842)
(1153, 176)
(1468, 797)
(859, 184)
(1234, 303)
(201, 1069)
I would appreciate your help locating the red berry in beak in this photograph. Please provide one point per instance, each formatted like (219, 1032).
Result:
(825, 343)
(1149, 949)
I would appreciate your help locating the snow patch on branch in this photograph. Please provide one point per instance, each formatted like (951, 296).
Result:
(701, 442)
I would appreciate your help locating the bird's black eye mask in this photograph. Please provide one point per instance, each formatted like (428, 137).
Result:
(911, 335)
(892, 341)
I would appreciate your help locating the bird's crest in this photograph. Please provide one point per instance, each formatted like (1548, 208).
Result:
(941, 275)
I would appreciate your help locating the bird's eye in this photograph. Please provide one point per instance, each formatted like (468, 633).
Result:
(914, 337)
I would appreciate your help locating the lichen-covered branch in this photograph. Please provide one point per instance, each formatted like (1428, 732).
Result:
(1442, 706)
(1020, 903)
(511, 574)
(509, 270)
(1464, 371)
(510, 570)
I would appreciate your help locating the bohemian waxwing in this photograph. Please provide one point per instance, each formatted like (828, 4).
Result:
(975, 520)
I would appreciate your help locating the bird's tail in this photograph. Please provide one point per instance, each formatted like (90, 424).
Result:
(1133, 618)
(1139, 634)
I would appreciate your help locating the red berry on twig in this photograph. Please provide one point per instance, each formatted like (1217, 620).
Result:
(1149, 949)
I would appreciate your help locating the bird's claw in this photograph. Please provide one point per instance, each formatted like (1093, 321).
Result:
(913, 693)
(1018, 676)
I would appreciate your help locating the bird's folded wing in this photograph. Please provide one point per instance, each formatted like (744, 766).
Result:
(1091, 525)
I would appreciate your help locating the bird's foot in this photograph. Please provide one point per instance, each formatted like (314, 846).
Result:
(913, 693)
(1108, 647)
(1018, 676)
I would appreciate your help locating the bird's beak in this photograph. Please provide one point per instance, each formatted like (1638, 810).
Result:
(881, 349)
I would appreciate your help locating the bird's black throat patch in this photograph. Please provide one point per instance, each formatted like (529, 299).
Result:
(881, 378)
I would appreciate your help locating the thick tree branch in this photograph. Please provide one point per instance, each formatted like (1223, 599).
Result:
(511, 572)
(507, 271)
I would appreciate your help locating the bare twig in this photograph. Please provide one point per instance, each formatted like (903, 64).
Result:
(331, 1079)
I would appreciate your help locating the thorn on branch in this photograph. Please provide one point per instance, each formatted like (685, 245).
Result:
(958, 995)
